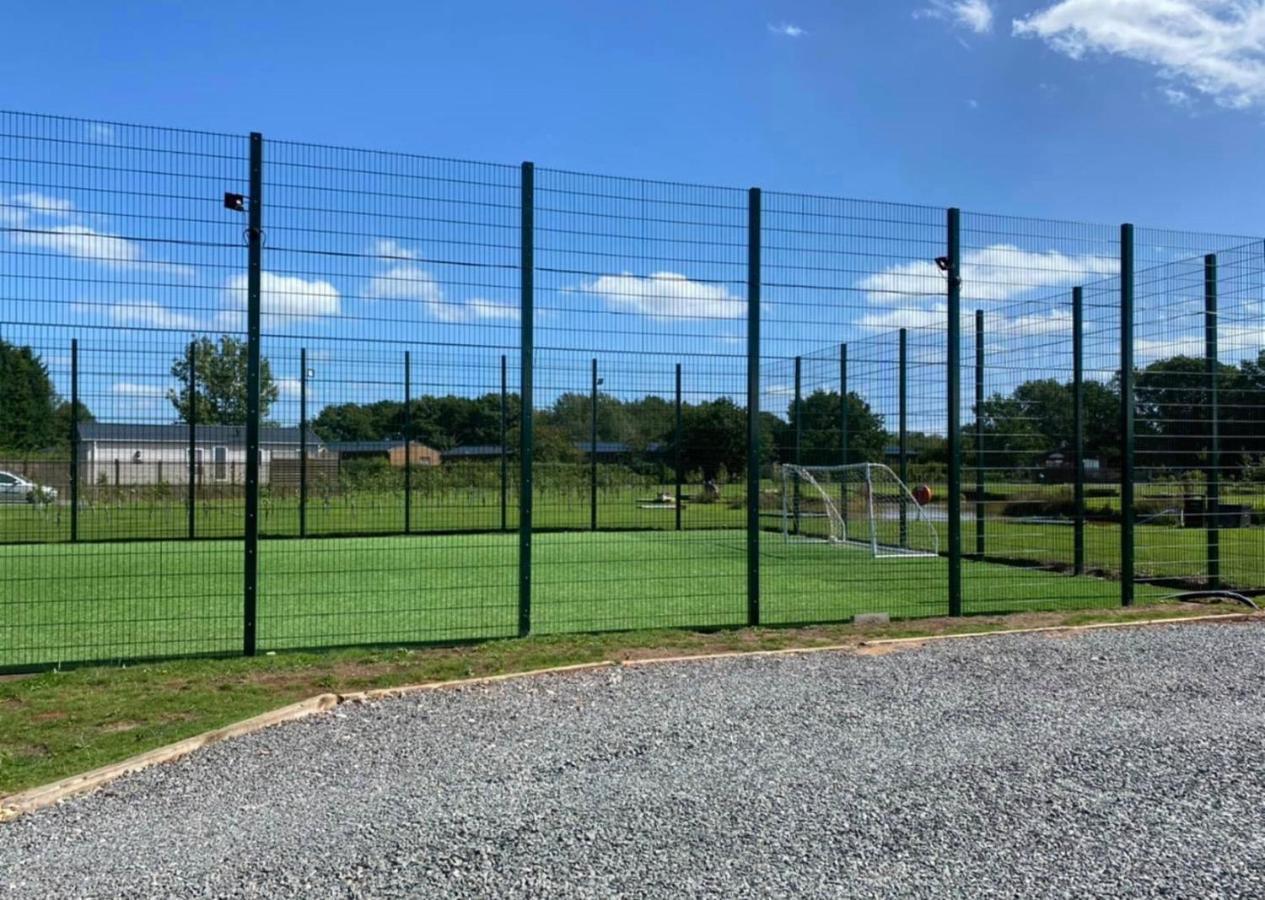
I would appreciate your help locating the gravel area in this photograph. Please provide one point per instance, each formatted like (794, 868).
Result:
(1118, 762)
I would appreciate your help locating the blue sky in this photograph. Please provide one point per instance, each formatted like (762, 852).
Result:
(1068, 109)
(910, 101)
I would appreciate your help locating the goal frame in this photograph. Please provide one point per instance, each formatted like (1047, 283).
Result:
(794, 475)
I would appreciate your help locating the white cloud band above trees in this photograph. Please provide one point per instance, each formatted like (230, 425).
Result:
(666, 295)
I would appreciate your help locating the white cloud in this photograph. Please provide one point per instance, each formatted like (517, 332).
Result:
(667, 295)
(1056, 321)
(905, 317)
(101, 133)
(288, 387)
(132, 389)
(1216, 47)
(994, 273)
(407, 280)
(786, 29)
(283, 298)
(153, 315)
(389, 249)
(1178, 97)
(82, 242)
(975, 15)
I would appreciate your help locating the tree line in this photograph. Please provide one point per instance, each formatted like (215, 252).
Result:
(1019, 428)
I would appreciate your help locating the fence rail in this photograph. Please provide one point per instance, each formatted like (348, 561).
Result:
(261, 395)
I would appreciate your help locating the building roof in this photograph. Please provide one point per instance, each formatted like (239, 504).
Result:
(145, 433)
(473, 451)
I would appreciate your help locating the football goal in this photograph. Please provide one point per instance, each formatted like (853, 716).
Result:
(862, 505)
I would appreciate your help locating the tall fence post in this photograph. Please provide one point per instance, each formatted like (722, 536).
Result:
(408, 441)
(1126, 415)
(796, 454)
(753, 406)
(676, 442)
(593, 449)
(902, 383)
(303, 442)
(74, 439)
(191, 490)
(504, 449)
(1212, 516)
(1078, 430)
(254, 236)
(526, 311)
(843, 431)
(953, 363)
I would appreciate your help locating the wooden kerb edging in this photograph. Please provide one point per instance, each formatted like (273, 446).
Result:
(30, 800)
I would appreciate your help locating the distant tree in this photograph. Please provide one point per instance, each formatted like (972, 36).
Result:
(219, 396)
(713, 435)
(821, 431)
(27, 400)
(61, 420)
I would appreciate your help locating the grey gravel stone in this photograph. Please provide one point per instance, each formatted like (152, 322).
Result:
(1106, 764)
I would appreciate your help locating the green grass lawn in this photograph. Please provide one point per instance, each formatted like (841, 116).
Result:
(67, 603)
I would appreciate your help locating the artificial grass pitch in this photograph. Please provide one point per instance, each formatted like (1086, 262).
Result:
(101, 602)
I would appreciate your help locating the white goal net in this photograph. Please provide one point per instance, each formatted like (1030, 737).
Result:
(861, 505)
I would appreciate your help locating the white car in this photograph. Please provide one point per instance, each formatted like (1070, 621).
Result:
(16, 489)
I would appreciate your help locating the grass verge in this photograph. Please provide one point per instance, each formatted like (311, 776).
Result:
(58, 724)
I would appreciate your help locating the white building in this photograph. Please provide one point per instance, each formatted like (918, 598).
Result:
(127, 454)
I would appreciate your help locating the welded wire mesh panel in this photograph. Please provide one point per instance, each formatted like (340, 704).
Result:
(116, 243)
(389, 298)
(1198, 409)
(1024, 545)
(836, 273)
(638, 515)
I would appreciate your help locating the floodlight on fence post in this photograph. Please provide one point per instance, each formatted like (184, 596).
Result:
(953, 362)
(1212, 504)
(753, 406)
(1126, 415)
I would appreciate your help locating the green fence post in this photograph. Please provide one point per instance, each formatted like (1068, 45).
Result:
(254, 236)
(504, 449)
(1078, 430)
(677, 444)
(753, 406)
(903, 437)
(1126, 415)
(303, 442)
(953, 268)
(796, 455)
(843, 432)
(191, 490)
(1212, 517)
(593, 449)
(979, 433)
(526, 437)
(408, 442)
(74, 439)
